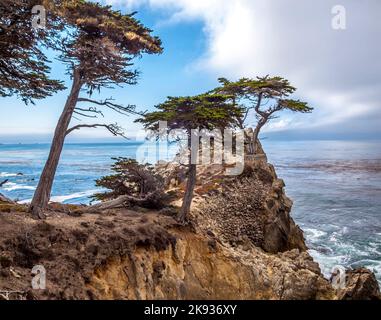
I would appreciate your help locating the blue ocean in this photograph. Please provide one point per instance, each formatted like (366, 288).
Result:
(335, 186)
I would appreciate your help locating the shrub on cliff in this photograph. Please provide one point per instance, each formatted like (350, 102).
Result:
(138, 181)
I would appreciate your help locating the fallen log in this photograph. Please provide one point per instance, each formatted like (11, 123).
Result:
(153, 200)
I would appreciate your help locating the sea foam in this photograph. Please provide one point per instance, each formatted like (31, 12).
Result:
(11, 186)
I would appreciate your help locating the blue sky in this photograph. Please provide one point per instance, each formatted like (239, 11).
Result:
(338, 72)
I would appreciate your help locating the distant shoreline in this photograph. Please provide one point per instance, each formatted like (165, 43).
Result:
(142, 141)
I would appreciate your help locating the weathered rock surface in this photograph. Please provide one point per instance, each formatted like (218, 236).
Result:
(201, 268)
(254, 207)
(360, 284)
(129, 255)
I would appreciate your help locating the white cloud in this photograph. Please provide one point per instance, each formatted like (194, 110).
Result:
(337, 71)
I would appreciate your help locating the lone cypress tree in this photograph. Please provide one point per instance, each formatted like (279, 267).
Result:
(266, 96)
(206, 111)
(24, 69)
(98, 49)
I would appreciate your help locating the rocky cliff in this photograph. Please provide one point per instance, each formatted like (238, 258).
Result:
(129, 255)
(241, 244)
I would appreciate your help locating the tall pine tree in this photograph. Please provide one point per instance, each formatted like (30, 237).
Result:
(98, 49)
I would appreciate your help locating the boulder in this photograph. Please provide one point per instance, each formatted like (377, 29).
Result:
(360, 284)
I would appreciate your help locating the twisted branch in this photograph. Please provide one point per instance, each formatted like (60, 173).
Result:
(129, 109)
(115, 129)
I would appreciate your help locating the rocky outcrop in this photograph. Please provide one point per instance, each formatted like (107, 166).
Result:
(360, 284)
(129, 255)
(124, 254)
(201, 268)
(251, 207)
(4, 199)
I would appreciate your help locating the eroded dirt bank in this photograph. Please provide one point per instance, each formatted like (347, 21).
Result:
(129, 255)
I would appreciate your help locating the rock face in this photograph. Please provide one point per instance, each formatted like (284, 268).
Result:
(129, 255)
(252, 207)
(201, 268)
(361, 284)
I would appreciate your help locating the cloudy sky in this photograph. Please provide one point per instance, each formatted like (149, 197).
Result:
(338, 71)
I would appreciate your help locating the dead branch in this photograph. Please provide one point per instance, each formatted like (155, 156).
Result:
(115, 129)
(91, 110)
(129, 109)
(84, 115)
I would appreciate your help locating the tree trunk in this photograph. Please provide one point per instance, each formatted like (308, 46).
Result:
(255, 140)
(188, 196)
(258, 128)
(111, 204)
(42, 194)
(249, 145)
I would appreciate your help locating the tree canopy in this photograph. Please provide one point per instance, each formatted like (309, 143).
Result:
(265, 96)
(24, 69)
(205, 111)
(102, 43)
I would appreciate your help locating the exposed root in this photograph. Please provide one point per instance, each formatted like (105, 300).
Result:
(37, 213)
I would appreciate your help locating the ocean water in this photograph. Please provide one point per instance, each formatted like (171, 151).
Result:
(335, 186)
(80, 165)
(336, 189)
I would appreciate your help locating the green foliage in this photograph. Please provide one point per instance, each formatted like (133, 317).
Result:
(131, 178)
(91, 37)
(102, 42)
(205, 111)
(24, 69)
(295, 105)
(266, 95)
(269, 87)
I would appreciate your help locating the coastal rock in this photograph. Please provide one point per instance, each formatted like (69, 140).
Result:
(251, 206)
(360, 284)
(123, 254)
(191, 269)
